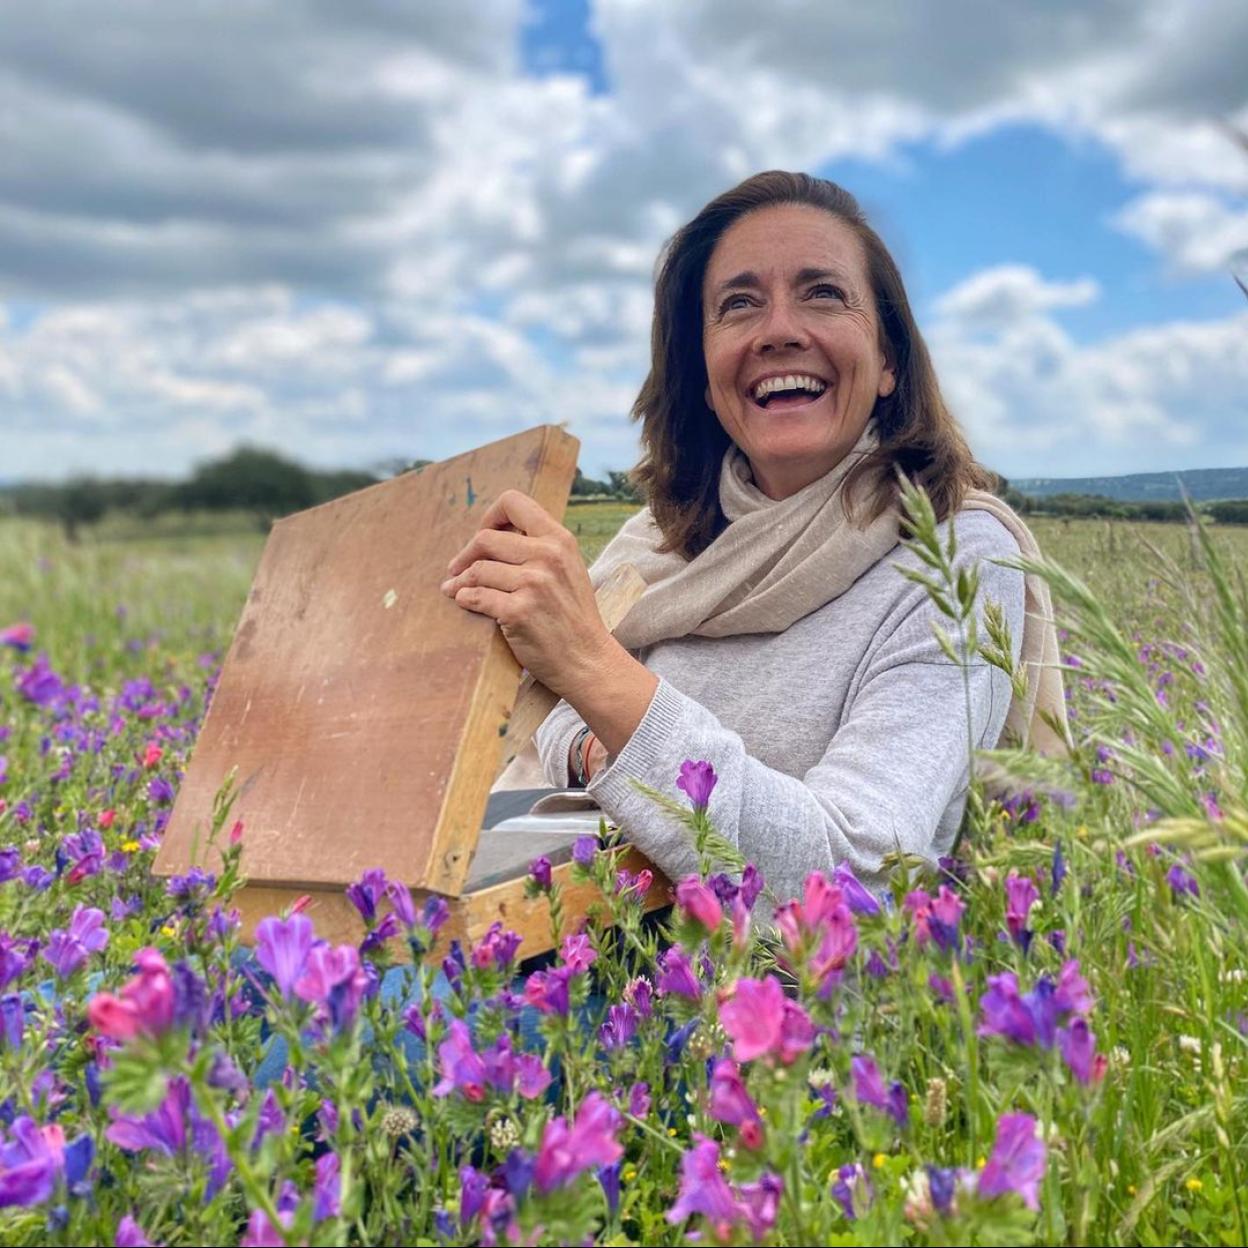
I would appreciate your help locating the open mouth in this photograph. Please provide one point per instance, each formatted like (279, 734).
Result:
(791, 391)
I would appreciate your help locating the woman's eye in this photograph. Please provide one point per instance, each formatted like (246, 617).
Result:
(834, 291)
(732, 302)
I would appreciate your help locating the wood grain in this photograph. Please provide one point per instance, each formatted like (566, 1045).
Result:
(364, 711)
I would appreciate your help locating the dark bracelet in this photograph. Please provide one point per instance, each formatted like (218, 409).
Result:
(578, 760)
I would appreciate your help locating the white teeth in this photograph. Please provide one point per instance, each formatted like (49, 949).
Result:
(790, 381)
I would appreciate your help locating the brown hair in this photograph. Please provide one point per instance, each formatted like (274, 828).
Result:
(682, 440)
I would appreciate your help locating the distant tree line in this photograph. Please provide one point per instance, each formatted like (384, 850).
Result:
(251, 480)
(267, 486)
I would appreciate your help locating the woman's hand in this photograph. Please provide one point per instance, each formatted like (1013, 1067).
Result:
(524, 569)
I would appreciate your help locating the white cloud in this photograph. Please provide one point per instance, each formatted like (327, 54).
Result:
(1000, 297)
(1199, 233)
(360, 231)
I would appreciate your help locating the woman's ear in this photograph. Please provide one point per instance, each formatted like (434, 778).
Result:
(888, 382)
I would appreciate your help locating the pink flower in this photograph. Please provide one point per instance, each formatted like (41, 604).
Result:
(578, 954)
(699, 903)
(19, 636)
(145, 1005)
(676, 975)
(152, 754)
(334, 980)
(590, 1141)
(761, 1021)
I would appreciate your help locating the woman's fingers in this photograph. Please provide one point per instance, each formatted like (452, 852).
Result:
(516, 508)
(496, 544)
(488, 574)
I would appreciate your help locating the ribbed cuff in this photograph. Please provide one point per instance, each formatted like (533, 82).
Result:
(636, 761)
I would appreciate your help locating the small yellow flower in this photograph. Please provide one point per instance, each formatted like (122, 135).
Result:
(1130, 1189)
(1193, 1185)
(629, 1175)
(129, 847)
(723, 1164)
(168, 930)
(762, 1111)
(671, 1130)
(981, 1163)
(1082, 830)
(879, 1161)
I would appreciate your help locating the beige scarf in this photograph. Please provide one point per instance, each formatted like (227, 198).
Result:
(779, 560)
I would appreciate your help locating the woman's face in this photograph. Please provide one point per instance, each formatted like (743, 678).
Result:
(786, 294)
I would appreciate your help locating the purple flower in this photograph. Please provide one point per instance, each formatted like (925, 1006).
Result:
(10, 857)
(869, 1089)
(1182, 882)
(942, 1183)
(698, 781)
(282, 948)
(540, 871)
(1021, 894)
(1018, 1160)
(400, 898)
(31, 1161)
(327, 1191)
(676, 975)
(367, 892)
(703, 1188)
(639, 1100)
(68, 950)
(1059, 870)
(547, 991)
(462, 1066)
(860, 899)
(619, 1028)
(1077, 1044)
(19, 636)
(584, 849)
(130, 1234)
(609, 1177)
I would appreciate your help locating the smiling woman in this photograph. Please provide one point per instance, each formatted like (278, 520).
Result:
(789, 392)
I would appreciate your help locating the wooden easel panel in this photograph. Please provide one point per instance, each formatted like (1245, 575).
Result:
(365, 711)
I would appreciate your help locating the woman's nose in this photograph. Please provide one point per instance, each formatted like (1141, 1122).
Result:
(781, 328)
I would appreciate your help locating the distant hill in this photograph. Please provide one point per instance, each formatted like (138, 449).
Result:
(1202, 484)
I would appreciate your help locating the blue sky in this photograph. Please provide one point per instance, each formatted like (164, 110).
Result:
(372, 233)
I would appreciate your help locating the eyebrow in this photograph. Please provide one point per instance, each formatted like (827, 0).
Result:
(751, 281)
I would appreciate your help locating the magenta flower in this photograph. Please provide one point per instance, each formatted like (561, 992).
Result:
(676, 976)
(699, 903)
(1018, 1160)
(577, 953)
(639, 1099)
(1073, 994)
(20, 636)
(547, 991)
(730, 1103)
(567, 1151)
(462, 1066)
(761, 1021)
(334, 980)
(146, 1004)
(619, 1027)
(68, 950)
(282, 947)
(497, 947)
(698, 781)
(532, 1078)
(400, 898)
(760, 1202)
(130, 1234)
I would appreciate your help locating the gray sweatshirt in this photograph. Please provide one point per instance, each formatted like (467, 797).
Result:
(839, 740)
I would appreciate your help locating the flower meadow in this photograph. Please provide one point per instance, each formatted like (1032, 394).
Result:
(1040, 1039)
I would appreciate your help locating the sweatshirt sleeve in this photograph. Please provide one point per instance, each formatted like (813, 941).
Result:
(554, 739)
(895, 764)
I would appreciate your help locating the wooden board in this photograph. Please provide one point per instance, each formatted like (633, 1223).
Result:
(364, 710)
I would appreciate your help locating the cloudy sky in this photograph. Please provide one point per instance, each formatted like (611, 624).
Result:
(358, 230)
